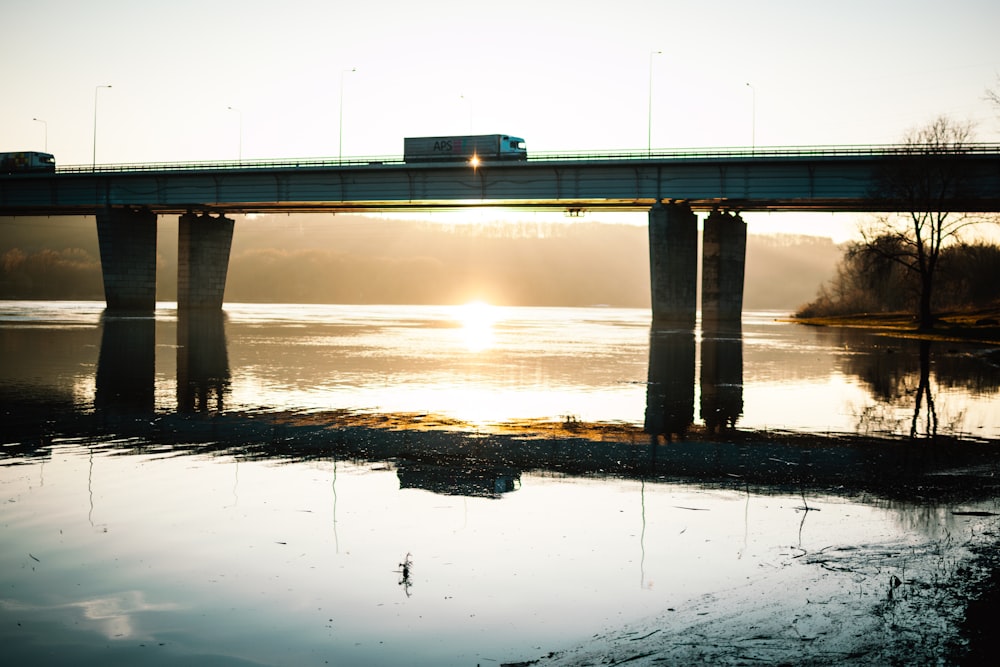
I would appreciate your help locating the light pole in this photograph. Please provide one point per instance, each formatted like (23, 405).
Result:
(93, 162)
(340, 135)
(468, 103)
(753, 118)
(39, 120)
(649, 116)
(240, 153)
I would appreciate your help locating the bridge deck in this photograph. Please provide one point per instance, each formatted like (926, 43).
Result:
(787, 179)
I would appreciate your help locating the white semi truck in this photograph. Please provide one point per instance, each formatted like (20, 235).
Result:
(479, 147)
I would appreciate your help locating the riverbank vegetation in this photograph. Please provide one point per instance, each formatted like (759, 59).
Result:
(915, 268)
(872, 291)
(866, 283)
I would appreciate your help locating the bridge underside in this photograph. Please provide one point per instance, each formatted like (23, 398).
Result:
(566, 206)
(575, 206)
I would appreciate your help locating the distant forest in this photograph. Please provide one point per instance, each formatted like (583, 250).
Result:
(864, 282)
(358, 259)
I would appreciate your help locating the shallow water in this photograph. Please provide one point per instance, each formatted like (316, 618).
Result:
(445, 486)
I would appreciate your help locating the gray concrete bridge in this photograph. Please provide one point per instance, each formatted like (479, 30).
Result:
(672, 186)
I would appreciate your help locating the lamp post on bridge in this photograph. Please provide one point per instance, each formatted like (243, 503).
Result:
(93, 162)
(753, 118)
(340, 135)
(649, 116)
(39, 120)
(468, 103)
(240, 153)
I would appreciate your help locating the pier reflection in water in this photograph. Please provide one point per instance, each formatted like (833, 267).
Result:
(721, 376)
(126, 367)
(521, 524)
(670, 384)
(202, 361)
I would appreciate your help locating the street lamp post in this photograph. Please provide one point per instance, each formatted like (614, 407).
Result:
(93, 163)
(468, 103)
(649, 116)
(340, 135)
(240, 153)
(753, 118)
(39, 120)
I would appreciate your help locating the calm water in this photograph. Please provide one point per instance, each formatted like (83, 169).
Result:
(298, 485)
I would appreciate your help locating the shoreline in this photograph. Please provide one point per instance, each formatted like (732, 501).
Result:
(969, 326)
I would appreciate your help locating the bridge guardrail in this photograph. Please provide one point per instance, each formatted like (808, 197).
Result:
(771, 151)
(559, 156)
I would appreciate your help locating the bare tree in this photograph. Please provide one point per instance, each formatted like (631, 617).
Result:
(993, 94)
(922, 185)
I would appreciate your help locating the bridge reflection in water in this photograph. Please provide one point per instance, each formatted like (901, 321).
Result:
(126, 367)
(670, 383)
(721, 377)
(203, 377)
(473, 462)
(670, 393)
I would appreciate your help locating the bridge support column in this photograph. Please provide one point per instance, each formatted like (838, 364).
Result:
(203, 246)
(127, 240)
(724, 245)
(673, 263)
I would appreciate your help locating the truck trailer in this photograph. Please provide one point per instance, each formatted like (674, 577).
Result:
(26, 161)
(464, 148)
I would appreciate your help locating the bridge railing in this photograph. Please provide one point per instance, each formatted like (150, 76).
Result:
(762, 152)
(874, 150)
(276, 163)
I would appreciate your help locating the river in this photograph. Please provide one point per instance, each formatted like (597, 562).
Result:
(386, 485)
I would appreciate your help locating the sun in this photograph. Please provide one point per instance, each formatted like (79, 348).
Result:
(477, 319)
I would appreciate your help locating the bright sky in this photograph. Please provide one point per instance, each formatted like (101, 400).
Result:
(563, 75)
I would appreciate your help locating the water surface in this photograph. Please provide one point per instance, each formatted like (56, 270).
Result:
(303, 485)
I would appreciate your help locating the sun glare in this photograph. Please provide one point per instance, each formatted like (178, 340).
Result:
(477, 319)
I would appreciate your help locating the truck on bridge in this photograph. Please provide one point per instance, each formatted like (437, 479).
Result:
(463, 148)
(14, 163)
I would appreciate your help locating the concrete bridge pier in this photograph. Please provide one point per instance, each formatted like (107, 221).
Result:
(203, 245)
(673, 264)
(723, 261)
(127, 239)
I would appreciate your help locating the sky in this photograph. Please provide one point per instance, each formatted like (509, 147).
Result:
(219, 80)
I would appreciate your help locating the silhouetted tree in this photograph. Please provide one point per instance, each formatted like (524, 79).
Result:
(922, 184)
(993, 95)
(864, 282)
(967, 275)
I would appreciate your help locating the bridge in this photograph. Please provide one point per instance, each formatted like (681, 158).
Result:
(673, 186)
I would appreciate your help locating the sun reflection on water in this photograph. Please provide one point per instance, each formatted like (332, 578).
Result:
(478, 319)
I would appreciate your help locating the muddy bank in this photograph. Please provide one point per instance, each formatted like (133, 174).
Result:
(903, 603)
(975, 326)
